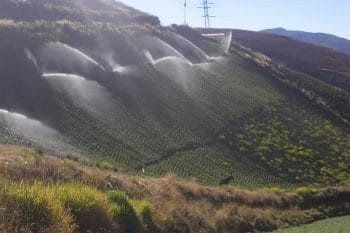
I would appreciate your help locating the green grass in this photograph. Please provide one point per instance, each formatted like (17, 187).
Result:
(71, 207)
(37, 207)
(333, 225)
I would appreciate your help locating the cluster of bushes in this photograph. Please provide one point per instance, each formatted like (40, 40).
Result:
(304, 147)
(70, 207)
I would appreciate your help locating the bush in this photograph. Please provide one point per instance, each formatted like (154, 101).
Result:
(72, 207)
(305, 191)
(126, 212)
(122, 201)
(105, 165)
(37, 208)
(144, 213)
(274, 190)
(88, 206)
(123, 211)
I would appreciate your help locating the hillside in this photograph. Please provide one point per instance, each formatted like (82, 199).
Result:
(87, 11)
(40, 193)
(339, 44)
(321, 63)
(177, 103)
(110, 122)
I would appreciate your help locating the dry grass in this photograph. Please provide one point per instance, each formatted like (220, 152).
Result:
(180, 206)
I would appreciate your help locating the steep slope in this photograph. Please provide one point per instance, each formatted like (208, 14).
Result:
(327, 40)
(320, 62)
(156, 100)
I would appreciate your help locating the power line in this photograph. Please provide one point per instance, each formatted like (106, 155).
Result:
(205, 5)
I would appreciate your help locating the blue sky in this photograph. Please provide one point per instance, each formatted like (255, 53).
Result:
(329, 16)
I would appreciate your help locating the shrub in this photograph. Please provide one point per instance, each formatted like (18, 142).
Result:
(37, 208)
(274, 190)
(123, 211)
(305, 191)
(121, 200)
(105, 165)
(88, 206)
(144, 213)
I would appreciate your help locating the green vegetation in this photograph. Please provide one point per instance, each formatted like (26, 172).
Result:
(333, 225)
(36, 208)
(297, 145)
(52, 195)
(70, 207)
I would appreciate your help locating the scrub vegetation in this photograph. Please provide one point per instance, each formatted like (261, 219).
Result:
(40, 193)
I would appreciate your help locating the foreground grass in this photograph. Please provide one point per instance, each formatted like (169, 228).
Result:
(47, 194)
(68, 208)
(333, 225)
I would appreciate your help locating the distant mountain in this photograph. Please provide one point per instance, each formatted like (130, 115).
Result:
(327, 40)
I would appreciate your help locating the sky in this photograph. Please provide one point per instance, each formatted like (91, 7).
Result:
(328, 16)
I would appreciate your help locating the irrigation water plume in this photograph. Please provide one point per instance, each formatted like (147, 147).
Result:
(31, 131)
(32, 59)
(180, 71)
(224, 39)
(27, 125)
(96, 100)
(174, 59)
(86, 94)
(62, 75)
(117, 67)
(228, 41)
(158, 47)
(62, 54)
(181, 41)
(125, 69)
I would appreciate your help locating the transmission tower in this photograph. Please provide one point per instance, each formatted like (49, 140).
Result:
(205, 5)
(185, 12)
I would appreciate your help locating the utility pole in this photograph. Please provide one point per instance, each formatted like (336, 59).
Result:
(185, 12)
(205, 5)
